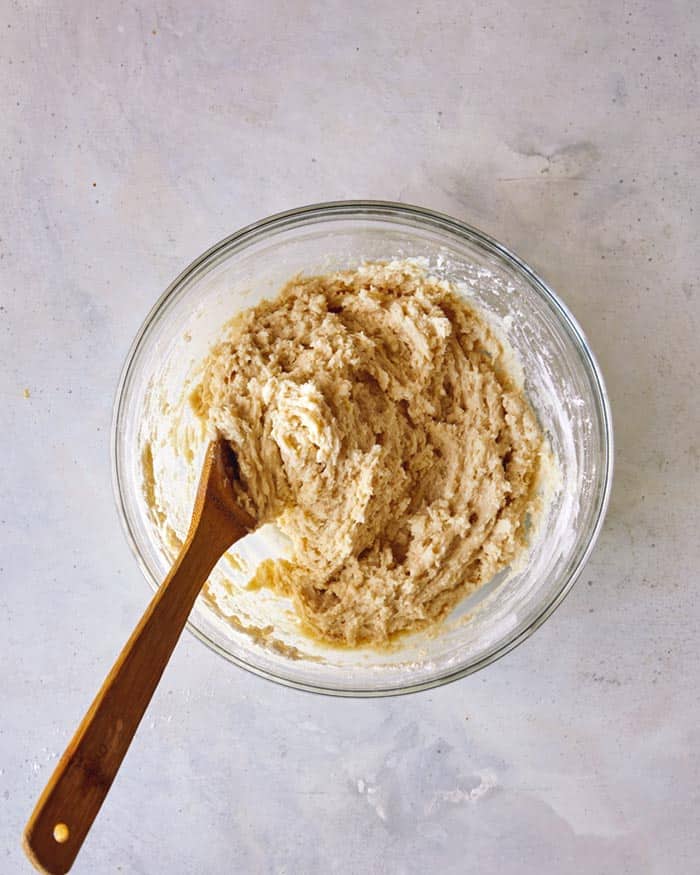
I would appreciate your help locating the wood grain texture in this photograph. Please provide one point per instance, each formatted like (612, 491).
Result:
(74, 794)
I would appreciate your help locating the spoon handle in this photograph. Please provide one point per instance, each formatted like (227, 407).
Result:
(73, 796)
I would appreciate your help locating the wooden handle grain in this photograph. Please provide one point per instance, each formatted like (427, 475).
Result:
(69, 804)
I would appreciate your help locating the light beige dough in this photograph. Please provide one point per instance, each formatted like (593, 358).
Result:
(377, 421)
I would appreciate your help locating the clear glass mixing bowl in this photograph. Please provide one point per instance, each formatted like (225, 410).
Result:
(562, 381)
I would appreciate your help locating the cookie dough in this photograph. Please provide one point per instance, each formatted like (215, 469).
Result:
(377, 421)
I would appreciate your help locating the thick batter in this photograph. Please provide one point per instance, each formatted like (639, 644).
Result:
(377, 422)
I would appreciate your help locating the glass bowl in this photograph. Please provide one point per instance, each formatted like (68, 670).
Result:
(561, 379)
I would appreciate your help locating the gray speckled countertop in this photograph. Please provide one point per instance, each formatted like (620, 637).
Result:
(134, 137)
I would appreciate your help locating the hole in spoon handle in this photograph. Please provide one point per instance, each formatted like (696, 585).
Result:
(61, 833)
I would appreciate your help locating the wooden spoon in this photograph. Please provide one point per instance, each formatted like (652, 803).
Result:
(84, 774)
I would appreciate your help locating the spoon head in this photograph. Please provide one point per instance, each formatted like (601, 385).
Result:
(219, 473)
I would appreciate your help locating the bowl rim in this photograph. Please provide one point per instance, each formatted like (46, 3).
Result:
(387, 209)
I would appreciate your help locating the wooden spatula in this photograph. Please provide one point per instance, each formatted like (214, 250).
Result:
(84, 774)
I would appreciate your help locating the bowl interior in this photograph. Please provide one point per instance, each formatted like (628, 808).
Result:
(155, 427)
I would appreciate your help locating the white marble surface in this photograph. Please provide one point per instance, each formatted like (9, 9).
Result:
(135, 136)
